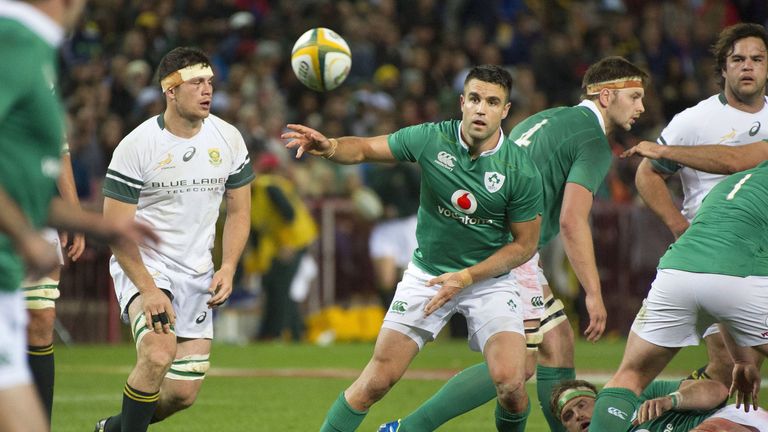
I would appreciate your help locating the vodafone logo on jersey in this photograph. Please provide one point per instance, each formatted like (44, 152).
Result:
(464, 201)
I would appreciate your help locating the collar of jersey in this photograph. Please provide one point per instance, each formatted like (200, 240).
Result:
(593, 107)
(40, 23)
(485, 153)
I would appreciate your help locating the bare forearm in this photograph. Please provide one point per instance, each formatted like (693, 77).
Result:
(130, 261)
(652, 188)
(66, 182)
(502, 261)
(578, 246)
(234, 238)
(701, 395)
(717, 159)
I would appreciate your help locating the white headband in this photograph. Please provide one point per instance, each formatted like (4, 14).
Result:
(174, 79)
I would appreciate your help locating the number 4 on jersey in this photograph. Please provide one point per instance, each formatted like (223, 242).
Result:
(525, 138)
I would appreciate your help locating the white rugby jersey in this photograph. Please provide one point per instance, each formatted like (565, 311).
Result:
(177, 185)
(711, 121)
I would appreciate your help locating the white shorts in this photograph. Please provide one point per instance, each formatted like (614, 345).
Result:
(14, 369)
(194, 320)
(531, 278)
(490, 306)
(756, 419)
(394, 238)
(681, 305)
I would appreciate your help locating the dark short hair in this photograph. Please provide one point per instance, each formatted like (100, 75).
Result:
(611, 68)
(179, 58)
(563, 386)
(492, 74)
(727, 41)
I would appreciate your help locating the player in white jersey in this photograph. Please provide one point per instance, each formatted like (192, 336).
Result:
(478, 218)
(731, 119)
(40, 294)
(171, 172)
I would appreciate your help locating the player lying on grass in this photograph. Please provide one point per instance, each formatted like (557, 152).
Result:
(668, 406)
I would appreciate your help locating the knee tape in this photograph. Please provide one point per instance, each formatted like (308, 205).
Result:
(554, 314)
(139, 329)
(191, 367)
(41, 293)
(533, 337)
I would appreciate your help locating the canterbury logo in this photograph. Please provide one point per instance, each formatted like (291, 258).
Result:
(537, 301)
(617, 412)
(398, 306)
(446, 160)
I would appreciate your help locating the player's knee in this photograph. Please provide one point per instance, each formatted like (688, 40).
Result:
(40, 326)
(181, 399)
(156, 361)
(511, 394)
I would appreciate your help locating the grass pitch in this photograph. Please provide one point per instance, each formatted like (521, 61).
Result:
(283, 387)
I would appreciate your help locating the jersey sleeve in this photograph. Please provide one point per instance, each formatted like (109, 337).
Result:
(527, 199)
(124, 179)
(18, 79)
(590, 165)
(409, 143)
(242, 172)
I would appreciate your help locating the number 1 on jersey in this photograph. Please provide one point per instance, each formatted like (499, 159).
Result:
(525, 138)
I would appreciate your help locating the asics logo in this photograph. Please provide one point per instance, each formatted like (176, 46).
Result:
(446, 160)
(201, 317)
(754, 129)
(189, 154)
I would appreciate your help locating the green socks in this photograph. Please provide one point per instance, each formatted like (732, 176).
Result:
(511, 422)
(546, 379)
(341, 417)
(464, 392)
(614, 409)
(41, 363)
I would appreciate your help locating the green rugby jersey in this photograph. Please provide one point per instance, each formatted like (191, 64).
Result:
(568, 145)
(465, 205)
(31, 122)
(729, 234)
(671, 421)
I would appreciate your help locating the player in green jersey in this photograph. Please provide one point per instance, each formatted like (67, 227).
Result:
(478, 218)
(667, 406)
(31, 128)
(569, 145)
(716, 271)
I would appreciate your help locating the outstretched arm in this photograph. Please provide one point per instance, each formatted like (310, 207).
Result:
(717, 159)
(347, 150)
(652, 187)
(577, 242)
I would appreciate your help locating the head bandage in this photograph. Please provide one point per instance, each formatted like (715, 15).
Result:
(617, 84)
(571, 394)
(175, 79)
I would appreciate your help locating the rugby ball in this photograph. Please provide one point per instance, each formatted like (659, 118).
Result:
(321, 59)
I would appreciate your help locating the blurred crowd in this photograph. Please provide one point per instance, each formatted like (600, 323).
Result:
(409, 61)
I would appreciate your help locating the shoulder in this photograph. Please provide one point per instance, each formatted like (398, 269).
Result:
(709, 106)
(142, 136)
(228, 132)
